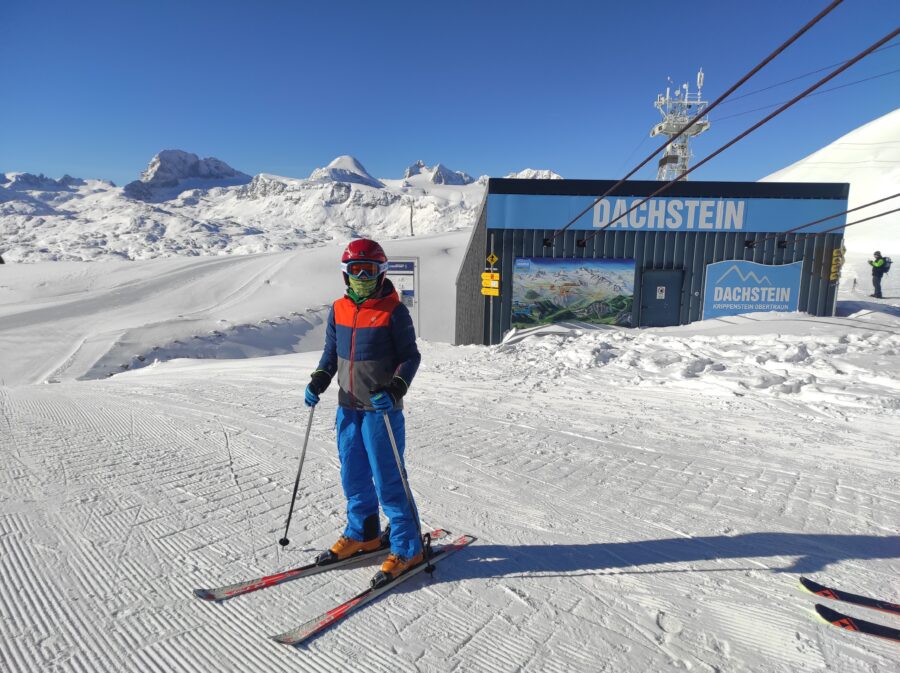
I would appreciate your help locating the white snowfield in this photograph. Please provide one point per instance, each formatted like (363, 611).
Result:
(644, 499)
(869, 159)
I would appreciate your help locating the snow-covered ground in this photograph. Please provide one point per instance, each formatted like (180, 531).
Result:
(644, 499)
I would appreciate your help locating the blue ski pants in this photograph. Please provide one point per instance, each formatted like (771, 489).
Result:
(369, 476)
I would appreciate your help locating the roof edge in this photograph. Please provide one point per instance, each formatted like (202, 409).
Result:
(699, 189)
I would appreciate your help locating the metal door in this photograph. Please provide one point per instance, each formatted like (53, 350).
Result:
(661, 298)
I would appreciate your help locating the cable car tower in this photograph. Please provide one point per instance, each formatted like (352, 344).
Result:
(677, 110)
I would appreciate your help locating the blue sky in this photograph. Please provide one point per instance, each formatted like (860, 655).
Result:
(95, 89)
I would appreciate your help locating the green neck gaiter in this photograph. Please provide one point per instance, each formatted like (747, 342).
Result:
(360, 290)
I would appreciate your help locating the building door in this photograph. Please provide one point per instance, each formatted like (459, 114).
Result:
(661, 298)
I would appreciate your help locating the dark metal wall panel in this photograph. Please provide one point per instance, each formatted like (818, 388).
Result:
(506, 255)
(690, 252)
(807, 247)
(470, 304)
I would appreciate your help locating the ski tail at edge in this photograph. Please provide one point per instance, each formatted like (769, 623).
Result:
(836, 594)
(849, 623)
(223, 593)
(317, 625)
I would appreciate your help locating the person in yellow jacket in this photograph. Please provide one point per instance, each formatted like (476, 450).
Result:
(878, 269)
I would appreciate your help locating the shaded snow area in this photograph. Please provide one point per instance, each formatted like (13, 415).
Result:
(67, 320)
(644, 500)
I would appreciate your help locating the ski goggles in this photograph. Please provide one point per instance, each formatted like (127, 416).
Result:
(364, 268)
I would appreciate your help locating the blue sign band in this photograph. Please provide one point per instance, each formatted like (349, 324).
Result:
(535, 211)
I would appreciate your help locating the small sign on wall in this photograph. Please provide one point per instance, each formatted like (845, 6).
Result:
(660, 291)
(736, 287)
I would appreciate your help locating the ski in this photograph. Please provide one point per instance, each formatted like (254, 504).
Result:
(223, 593)
(315, 626)
(855, 599)
(853, 624)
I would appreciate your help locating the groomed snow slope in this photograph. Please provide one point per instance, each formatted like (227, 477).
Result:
(869, 159)
(644, 499)
(68, 320)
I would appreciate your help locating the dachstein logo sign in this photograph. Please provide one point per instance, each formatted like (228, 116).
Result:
(670, 214)
(746, 287)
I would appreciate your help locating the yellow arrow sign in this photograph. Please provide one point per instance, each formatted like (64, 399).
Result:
(490, 283)
(490, 291)
(487, 275)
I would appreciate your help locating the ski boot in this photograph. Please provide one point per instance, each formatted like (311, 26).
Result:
(394, 566)
(346, 547)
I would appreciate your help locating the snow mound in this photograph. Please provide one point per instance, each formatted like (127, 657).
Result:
(171, 171)
(535, 174)
(438, 174)
(345, 169)
(869, 159)
(856, 368)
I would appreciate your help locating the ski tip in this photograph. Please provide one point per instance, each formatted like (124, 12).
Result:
(817, 611)
(290, 641)
(205, 594)
(806, 584)
(810, 585)
(836, 618)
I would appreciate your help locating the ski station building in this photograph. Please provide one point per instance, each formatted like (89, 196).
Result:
(703, 250)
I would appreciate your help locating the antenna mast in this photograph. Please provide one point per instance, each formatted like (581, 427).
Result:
(677, 110)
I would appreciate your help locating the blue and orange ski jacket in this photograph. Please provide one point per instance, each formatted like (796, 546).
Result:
(367, 345)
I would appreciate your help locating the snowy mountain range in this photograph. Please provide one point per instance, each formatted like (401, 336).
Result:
(185, 205)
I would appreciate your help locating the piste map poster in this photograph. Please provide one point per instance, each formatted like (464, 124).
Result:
(547, 290)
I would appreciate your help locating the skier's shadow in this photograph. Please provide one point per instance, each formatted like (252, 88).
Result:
(777, 552)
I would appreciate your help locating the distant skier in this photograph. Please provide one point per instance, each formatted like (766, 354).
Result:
(370, 343)
(879, 267)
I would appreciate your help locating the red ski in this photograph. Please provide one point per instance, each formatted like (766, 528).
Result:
(849, 623)
(223, 593)
(855, 599)
(319, 624)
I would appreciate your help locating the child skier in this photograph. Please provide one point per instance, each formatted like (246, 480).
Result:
(370, 343)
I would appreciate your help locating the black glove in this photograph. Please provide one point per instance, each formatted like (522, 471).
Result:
(318, 384)
(386, 397)
(319, 381)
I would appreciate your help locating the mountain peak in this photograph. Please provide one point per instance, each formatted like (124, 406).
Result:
(173, 168)
(438, 174)
(536, 174)
(345, 168)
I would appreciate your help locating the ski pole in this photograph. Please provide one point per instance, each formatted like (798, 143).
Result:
(284, 542)
(426, 545)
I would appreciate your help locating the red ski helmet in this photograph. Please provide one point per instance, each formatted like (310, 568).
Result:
(363, 248)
